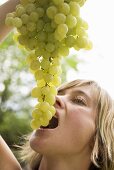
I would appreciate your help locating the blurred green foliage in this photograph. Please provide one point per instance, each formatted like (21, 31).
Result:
(16, 83)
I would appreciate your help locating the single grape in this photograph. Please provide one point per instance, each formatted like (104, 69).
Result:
(64, 8)
(17, 22)
(30, 7)
(50, 47)
(50, 98)
(51, 11)
(31, 26)
(25, 18)
(59, 18)
(74, 8)
(34, 16)
(20, 10)
(71, 21)
(9, 21)
(82, 42)
(40, 12)
(58, 2)
(36, 92)
(35, 65)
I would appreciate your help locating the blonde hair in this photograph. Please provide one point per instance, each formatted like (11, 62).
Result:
(102, 156)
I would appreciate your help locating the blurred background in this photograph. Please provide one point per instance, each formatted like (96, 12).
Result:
(16, 81)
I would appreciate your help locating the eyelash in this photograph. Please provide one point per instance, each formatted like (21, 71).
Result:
(79, 100)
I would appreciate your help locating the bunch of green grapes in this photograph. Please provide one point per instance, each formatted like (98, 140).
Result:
(48, 29)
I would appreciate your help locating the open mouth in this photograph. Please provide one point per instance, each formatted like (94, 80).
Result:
(53, 123)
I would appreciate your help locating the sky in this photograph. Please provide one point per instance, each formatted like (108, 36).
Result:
(98, 64)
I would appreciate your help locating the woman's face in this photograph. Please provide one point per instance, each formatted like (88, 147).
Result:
(75, 109)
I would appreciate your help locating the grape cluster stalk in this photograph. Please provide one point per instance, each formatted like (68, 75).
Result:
(48, 29)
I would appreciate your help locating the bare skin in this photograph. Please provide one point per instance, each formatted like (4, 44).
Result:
(69, 145)
(6, 8)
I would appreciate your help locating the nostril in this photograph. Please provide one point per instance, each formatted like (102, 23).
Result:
(59, 102)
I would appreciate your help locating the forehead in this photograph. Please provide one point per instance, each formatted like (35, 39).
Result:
(85, 90)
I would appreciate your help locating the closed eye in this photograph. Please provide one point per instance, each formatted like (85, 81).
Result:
(79, 100)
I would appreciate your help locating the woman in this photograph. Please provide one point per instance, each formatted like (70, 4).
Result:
(83, 137)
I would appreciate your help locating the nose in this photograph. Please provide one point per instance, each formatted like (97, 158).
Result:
(59, 102)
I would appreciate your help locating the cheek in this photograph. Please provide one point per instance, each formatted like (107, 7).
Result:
(81, 125)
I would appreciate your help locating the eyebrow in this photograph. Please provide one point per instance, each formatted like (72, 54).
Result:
(75, 92)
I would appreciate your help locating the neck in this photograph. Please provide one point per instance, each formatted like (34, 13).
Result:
(72, 162)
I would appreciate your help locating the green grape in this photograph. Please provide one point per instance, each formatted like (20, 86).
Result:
(56, 61)
(45, 63)
(34, 16)
(31, 1)
(51, 11)
(48, 28)
(17, 22)
(40, 12)
(24, 2)
(80, 31)
(23, 30)
(39, 74)
(42, 36)
(31, 26)
(74, 8)
(20, 10)
(82, 42)
(46, 54)
(64, 8)
(78, 1)
(53, 24)
(58, 2)
(36, 92)
(55, 70)
(59, 18)
(48, 78)
(30, 58)
(41, 83)
(50, 47)
(69, 41)
(53, 90)
(9, 21)
(82, 23)
(36, 113)
(89, 45)
(58, 36)
(50, 37)
(52, 110)
(45, 90)
(35, 124)
(64, 51)
(44, 106)
(71, 21)
(50, 98)
(47, 115)
(56, 80)
(62, 29)
(30, 8)
(35, 64)
(25, 18)
(82, 2)
(44, 121)
(32, 43)
(40, 25)
(13, 14)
